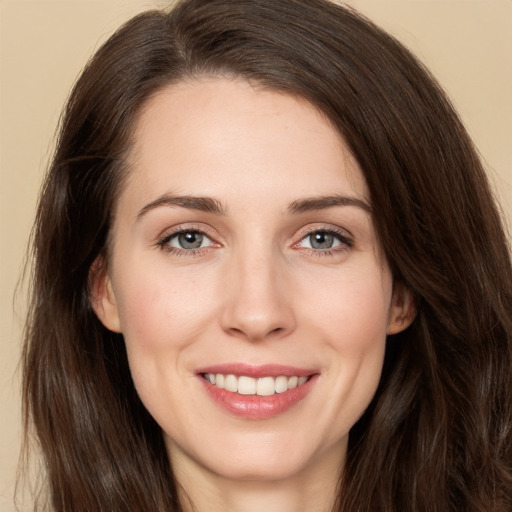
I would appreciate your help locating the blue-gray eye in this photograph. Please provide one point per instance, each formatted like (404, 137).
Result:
(189, 240)
(321, 240)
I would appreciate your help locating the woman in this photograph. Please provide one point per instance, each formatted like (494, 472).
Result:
(269, 275)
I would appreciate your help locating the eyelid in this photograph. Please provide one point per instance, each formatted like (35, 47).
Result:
(175, 237)
(344, 236)
(168, 234)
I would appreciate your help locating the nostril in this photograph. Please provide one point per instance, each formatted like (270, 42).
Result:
(256, 320)
(254, 334)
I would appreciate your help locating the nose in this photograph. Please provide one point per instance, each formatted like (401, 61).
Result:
(258, 300)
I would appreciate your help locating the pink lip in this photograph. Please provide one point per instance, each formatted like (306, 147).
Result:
(257, 407)
(257, 371)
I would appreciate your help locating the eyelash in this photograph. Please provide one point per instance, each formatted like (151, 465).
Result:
(164, 242)
(346, 242)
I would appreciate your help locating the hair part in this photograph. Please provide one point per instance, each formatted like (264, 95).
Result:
(437, 435)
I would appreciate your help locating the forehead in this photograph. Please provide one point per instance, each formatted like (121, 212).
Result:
(227, 138)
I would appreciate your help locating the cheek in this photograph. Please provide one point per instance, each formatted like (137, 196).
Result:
(352, 310)
(351, 320)
(162, 316)
(162, 312)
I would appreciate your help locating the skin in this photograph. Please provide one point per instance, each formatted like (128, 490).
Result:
(256, 292)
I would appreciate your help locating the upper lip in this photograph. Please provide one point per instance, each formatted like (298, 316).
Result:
(257, 371)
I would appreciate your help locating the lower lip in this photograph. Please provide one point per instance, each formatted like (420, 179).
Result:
(257, 407)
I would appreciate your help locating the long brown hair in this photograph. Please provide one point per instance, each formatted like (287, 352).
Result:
(437, 436)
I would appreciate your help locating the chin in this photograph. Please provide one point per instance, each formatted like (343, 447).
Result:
(263, 458)
(260, 470)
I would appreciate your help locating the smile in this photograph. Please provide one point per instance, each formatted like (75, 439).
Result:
(263, 386)
(257, 392)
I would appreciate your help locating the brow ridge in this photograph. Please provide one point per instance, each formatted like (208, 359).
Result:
(212, 205)
(205, 204)
(324, 202)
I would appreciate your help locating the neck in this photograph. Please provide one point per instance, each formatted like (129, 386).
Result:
(314, 489)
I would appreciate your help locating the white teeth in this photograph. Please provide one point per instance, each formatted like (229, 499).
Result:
(231, 383)
(292, 382)
(246, 385)
(264, 386)
(281, 384)
(219, 380)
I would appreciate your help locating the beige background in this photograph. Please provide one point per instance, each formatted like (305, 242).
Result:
(44, 44)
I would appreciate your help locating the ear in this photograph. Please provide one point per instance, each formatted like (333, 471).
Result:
(102, 297)
(403, 309)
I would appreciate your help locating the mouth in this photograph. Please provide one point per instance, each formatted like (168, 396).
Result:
(261, 392)
(262, 386)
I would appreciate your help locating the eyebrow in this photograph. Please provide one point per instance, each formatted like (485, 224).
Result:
(324, 202)
(204, 204)
(211, 205)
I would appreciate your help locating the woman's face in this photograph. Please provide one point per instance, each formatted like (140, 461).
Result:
(244, 257)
